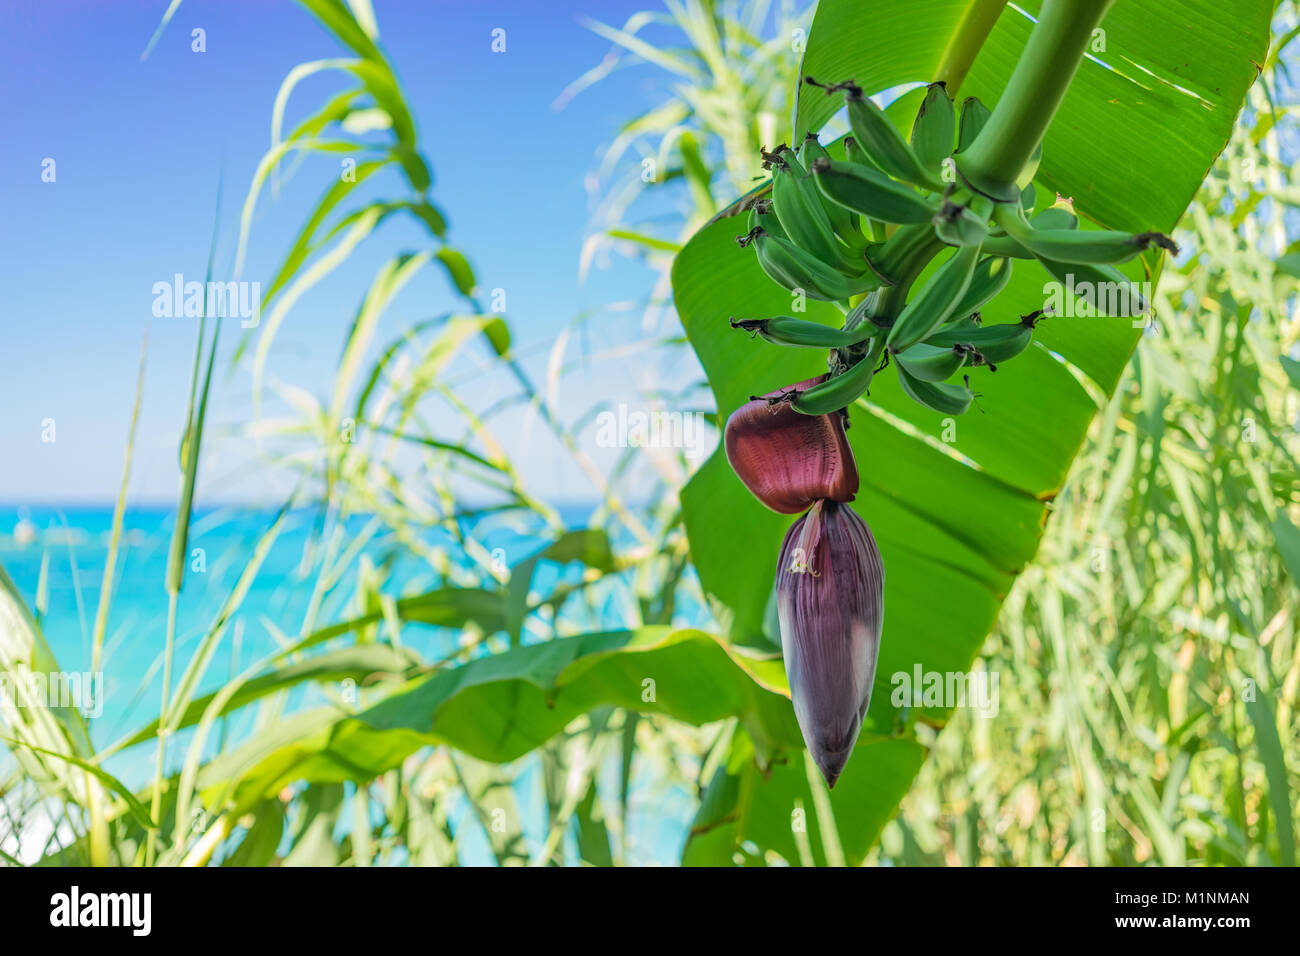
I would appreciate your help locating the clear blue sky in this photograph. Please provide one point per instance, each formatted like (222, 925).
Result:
(140, 148)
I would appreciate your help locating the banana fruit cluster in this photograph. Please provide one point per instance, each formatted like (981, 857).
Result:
(861, 230)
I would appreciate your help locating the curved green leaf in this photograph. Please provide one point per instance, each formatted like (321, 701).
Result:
(1144, 118)
(499, 707)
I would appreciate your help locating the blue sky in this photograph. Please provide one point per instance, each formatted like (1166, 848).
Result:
(141, 146)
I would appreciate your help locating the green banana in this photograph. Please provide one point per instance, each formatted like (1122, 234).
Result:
(994, 343)
(1092, 247)
(875, 133)
(1055, 217)
(803, 333)
(934, 304)
(856, 154)
(967, 322)
(960, 223)
(870, 192)
(843, 221)
(990, 277)
(871, 228)
(937, 396)
(801, 270)
(1005, 247)
(1028, 196)
(974, 115)
(934, 363)
(838, 391)
(799, 208)
(935, 127)
(762, 217)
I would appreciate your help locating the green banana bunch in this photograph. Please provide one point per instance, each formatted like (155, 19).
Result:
(802, 333)
(864, 232)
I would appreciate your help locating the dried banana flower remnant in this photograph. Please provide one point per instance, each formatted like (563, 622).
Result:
(787, 459)
(830, 601)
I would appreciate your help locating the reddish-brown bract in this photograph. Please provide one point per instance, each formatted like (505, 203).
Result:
(830, 600)
(789, 460)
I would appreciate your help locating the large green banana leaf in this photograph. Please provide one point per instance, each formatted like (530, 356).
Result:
(500, 707)
(957, 508)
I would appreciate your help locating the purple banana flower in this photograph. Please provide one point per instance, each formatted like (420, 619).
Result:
(830, 600)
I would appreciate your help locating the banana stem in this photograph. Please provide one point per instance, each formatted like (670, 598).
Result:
(967, 41)
(1033, 94)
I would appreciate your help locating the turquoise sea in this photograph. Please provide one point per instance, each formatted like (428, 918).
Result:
(69, 545)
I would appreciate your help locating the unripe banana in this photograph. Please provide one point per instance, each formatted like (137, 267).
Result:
(856, 154)
(934, 128)
(762, 217)
(1028, 196)
(803, 270)
(872, 193)
(873, 229)
(802, 333)
(799, 208)
(1094, 247)
(990, 277)
(934, 363)
(1005, 247)
(937, 396)
(974, 115)
(838, 391)
(934, 304)
(1055, 217)
(843, 220)
(963, 224)
(968, 322)
(994, 343)
(875, 133)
